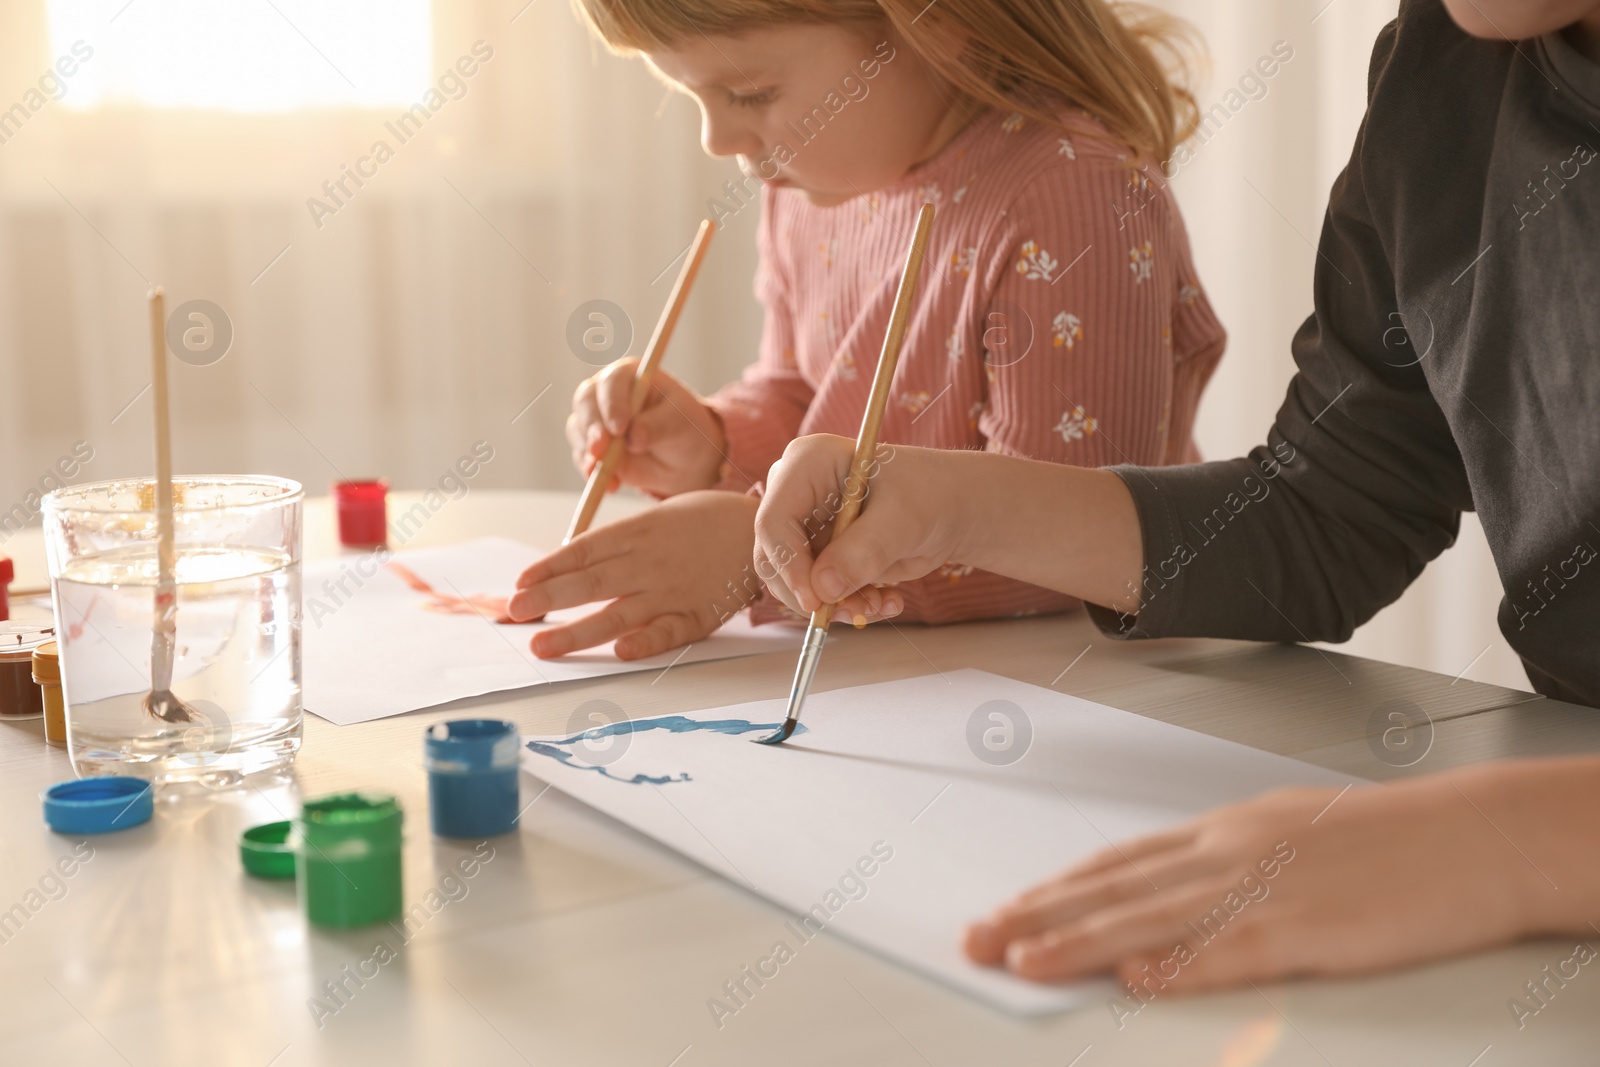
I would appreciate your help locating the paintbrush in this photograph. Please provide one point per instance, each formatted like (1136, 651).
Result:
(855, 486)
(161, 703)
(600, 477)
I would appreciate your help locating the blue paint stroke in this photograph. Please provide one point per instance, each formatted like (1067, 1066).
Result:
(676, 724)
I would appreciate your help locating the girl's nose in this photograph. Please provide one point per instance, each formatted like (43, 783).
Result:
(722, 135)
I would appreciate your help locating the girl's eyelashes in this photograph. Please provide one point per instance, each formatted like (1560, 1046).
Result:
(751, 99)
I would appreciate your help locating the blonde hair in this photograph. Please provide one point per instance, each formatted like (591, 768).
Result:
(1124, 63)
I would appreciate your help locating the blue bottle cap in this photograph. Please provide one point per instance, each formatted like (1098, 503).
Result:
(471, 746)
(98, 805)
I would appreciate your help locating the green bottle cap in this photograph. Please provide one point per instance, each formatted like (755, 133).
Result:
(266, 852)
(347, 863)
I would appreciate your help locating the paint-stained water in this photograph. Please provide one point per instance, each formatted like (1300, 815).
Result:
(563, 750)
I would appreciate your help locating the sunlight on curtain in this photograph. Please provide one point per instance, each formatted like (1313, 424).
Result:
(278, 56)
(392, 305)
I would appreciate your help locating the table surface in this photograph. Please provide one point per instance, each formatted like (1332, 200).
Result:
(582, 942)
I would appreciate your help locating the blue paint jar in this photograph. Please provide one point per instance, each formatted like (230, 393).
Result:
(472, 776)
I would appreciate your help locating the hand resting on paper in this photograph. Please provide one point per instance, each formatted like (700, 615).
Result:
(674, 446)
(673, 574)
(1306, 881)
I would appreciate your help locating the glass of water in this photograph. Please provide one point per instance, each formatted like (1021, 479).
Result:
(237, 653)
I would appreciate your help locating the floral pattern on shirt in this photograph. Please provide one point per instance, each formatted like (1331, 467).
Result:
(1141, 260)
(826, 330)
(1027, 204)
(1075, 425)
(1035, 263)
(954, 572)
(916, 403)
(955, 346)
(1066, 330)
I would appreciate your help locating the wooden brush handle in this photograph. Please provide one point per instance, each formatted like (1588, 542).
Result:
(855, 486)
(164, 626)
(600, 477)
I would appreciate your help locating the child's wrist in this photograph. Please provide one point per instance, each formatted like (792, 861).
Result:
(973, 511)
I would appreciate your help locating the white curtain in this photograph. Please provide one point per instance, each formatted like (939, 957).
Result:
(421, 317)
(432, 307)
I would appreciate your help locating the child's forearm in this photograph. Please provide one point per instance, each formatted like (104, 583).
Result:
(1071, 529)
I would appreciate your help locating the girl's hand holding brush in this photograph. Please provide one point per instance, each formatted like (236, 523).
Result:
(674, 445)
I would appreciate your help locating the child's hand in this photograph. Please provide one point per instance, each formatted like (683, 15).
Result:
(668, 570)
(902, 532)
(674, 446)
(1298, 881)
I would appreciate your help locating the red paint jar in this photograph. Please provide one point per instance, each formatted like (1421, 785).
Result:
(363, 507)
(8, 573)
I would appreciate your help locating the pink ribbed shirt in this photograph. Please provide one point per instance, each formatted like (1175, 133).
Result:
(1058, 317)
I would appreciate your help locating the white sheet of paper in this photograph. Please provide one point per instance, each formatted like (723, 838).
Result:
(895, 766)
(371, 649)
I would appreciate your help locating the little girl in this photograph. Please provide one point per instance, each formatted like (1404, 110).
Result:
(1058, 316)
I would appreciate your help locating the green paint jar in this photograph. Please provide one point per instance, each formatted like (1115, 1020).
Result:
(347, 859)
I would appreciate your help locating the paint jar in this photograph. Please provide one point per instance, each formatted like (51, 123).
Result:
(347, 859)
(472, 776)
(236, 647)
(47, 674)
(363, 507)
(20, 696)
(8, 574)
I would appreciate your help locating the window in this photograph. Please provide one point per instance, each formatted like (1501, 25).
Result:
(261, 56)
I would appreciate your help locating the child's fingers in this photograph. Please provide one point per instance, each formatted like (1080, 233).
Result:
(602, 581)
(1099, 942)
(584, 422)
(1252, 951)
(585, 551)
(658, 635)
(653, 425)
(577, 435)
(801, 501)
(1118, 855)
(1062, 902)
(773, 580)
(793, 570)
(872, 604)
(614, 394)
(848, 563)
(596, 628)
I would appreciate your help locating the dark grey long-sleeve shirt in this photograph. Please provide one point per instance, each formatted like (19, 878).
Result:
(1452, 363)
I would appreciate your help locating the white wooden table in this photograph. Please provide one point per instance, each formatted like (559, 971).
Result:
(581, 942)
